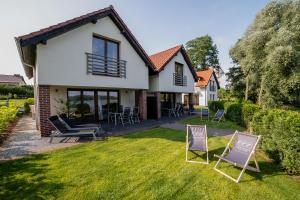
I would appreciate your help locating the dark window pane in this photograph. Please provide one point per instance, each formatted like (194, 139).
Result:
(112, 50)
(113, 101)
(74, 98)
(88, 106)
(98, 46)
(102, 103)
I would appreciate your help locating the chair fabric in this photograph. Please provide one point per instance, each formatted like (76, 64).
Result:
(197, 138)
(219, 114)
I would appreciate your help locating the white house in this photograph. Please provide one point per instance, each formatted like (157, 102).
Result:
(206, 88)
(94, 61)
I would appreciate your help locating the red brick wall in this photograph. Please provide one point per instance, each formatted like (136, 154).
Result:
(141, 100)
(158, 103)
(44, 109)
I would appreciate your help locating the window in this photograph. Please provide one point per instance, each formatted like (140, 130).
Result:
(107, 53)
(179, 69)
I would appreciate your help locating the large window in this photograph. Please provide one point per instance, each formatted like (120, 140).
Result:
(179, 69)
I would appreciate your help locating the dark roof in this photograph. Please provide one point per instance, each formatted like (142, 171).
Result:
(27, 43)
(204, 77)
(16, 78)
(161, 59)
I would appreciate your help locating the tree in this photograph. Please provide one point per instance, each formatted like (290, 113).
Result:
(269, 55)
(236, 82)
(203, 53)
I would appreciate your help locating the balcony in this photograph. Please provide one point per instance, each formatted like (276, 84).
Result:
(105, 66)
(179, 79)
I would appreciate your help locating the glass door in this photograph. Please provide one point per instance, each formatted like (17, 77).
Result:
(102, 104)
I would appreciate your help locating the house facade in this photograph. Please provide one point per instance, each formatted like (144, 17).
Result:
(90, 65)
(206, 88)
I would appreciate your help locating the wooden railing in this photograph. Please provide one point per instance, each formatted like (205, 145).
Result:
(179, 79)
(105, 66)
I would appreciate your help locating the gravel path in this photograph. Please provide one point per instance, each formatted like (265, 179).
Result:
(210, 131)
(25, 140)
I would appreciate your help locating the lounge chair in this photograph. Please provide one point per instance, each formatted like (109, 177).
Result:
(135, 117)
(126, 117)
(196, 140)
(63, 131)
(244, 145)
(70, 125)
(219, 115)
(204, 113)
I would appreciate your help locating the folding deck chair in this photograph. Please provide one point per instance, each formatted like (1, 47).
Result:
(244, 145)
(63, 131)
(204, 113)
(196, 140)
(219, 115)
(84, 127)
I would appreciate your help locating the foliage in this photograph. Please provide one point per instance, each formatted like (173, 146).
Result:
(248, 110)
(268, 55)
(26, 107)
(225, 94)
(7, 115)
(147, 164)
(215, 105)
(234, 112)
(236, 83)
(10, 91)
(203, 53)
(281, 132)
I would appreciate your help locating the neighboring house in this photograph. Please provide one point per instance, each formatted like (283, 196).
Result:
(206, 88)
(174, 76)
(95, 63)
(15, 79)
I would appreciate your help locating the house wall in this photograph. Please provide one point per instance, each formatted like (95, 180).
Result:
(62, 61)
(205, 93)
(164, 80)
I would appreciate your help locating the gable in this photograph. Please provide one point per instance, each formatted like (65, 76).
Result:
(27, 43)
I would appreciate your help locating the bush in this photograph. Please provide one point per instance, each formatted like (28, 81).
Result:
(16, 91)
(280, 130)
(215, 105)
(7, 115)
(26, 107)
(30, 101)
(248, 111)
(234, 112)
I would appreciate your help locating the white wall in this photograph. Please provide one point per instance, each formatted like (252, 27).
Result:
(62, 61)
(205, 93)
(165, 78)
(127, 98)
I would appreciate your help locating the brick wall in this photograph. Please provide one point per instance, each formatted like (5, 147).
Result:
(158, 105)
(141, 100)
(44, 109)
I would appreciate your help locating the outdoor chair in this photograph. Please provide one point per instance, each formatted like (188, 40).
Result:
(192, 110)
(63, 131)
(135, 115)
(70, 125)
(219, 115)
(196, 140)
(204, 113)
(244, 145)
(126, 117)
(179, 110)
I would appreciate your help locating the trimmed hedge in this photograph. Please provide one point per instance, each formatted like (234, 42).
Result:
(281, 136)
(7, 115)
(248, 110)
(215, 105)
(234, 112)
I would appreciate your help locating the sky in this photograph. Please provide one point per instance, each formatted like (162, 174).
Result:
(158, 25)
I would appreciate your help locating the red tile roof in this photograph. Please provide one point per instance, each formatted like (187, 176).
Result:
(16, 78)
(204, 77)
(162, 58)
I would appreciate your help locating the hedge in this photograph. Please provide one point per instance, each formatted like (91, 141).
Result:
(215, 105)
(27, 103)
(7, 115)
(10, 91)
(280, 130)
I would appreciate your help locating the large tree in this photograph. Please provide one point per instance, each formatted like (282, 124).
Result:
(203, 53)
(269, 55)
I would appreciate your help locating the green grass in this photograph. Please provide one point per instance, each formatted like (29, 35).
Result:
(144, 165)
(224, 124)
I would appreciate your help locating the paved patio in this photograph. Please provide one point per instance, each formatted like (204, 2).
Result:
(26, 140)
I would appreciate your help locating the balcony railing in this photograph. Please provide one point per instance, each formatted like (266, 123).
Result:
(105, 66)
(179, 79)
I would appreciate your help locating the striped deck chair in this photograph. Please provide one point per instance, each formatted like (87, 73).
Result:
(219, 115)
(196, 140)
(244, 145)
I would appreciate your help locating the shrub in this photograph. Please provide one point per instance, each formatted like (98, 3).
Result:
(281, 136)
(30, 101)
(7, 115)
(248, 111)
(234, 112)
(26, 107)
(215, 105)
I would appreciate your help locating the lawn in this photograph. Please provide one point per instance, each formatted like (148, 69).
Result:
(143, 165)
(224, 124)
